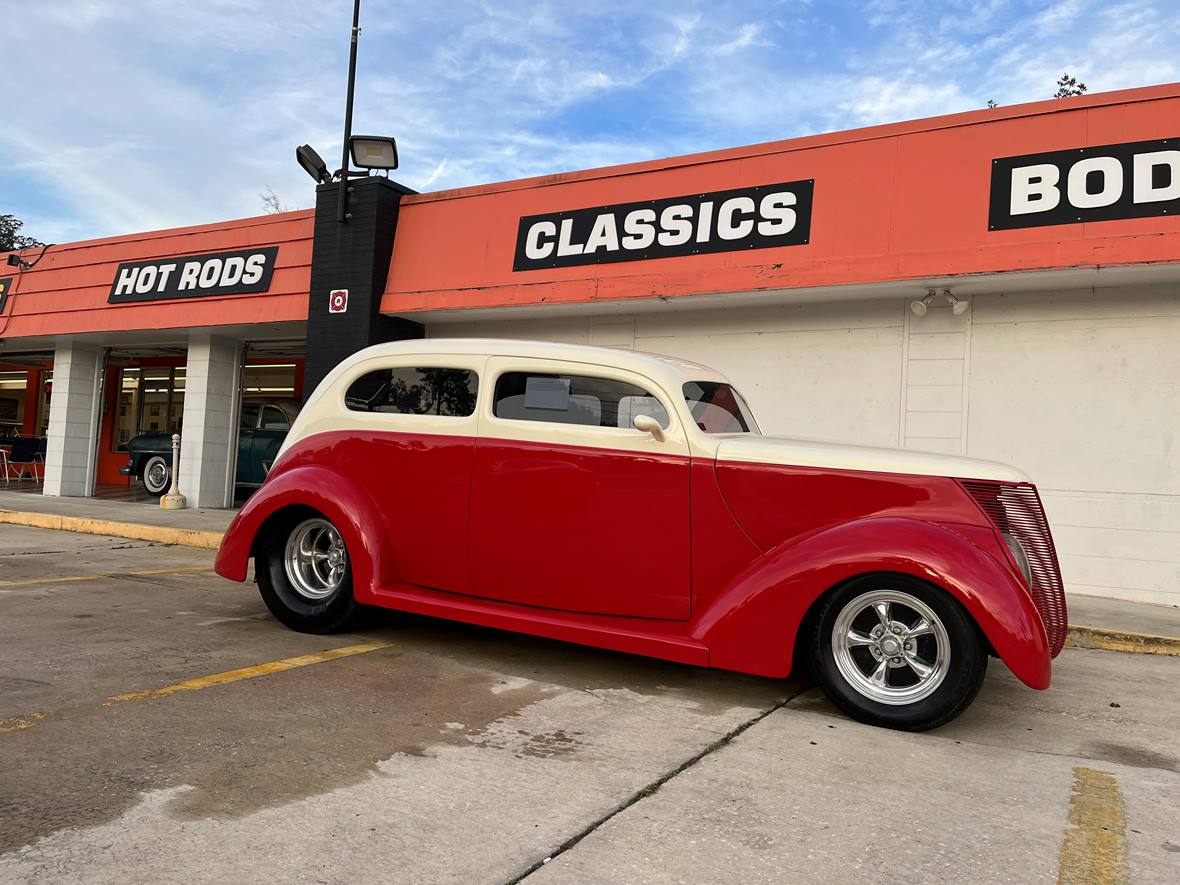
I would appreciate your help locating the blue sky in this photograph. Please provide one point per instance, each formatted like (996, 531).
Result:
(126, 115)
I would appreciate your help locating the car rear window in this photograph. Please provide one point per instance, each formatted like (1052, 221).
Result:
(717, 407)
(415, 391)
(573, 399)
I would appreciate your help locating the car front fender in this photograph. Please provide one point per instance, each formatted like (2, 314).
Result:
(349, 507)
(753, 624)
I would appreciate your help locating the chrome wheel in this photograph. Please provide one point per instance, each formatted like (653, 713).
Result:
(156, 475)
(891, 647)
(315, 560)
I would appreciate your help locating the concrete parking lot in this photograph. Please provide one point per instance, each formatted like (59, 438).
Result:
(157, 725)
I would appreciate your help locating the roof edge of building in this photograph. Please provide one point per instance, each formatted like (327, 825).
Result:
(845, 136)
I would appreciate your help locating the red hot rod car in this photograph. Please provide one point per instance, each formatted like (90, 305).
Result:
(630, 501)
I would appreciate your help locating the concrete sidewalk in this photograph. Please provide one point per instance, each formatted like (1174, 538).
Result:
(1095, 622)
(1118, 625)
(124, 519)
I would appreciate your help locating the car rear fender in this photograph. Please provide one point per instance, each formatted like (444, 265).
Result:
(753, 624)
(339, 498)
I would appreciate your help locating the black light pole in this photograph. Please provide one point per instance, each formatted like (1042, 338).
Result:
(342, 205)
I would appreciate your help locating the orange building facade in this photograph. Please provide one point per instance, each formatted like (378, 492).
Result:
(792, 266)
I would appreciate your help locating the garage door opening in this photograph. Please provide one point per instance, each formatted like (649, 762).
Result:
(26, 383)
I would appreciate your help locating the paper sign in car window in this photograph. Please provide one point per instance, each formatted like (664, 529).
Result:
(552, 394)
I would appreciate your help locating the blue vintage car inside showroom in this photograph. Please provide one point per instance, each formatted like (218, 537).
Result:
(262, 428)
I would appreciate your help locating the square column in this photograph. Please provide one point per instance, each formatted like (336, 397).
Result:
(353, 257)
(70, 451)
(209, 433)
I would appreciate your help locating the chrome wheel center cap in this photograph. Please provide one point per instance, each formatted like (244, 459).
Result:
(890, 645)
(334, 556)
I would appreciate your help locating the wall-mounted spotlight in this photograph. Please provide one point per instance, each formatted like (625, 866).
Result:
(919, 307)
(313, 164)
(958, 305)
(16, 260)
(373, 151)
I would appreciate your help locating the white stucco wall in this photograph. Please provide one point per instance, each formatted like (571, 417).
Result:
(1080, 388)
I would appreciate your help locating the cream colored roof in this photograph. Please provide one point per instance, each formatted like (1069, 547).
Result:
(324, 413)
(669, 370)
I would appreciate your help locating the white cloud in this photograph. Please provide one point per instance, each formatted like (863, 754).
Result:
(131, 114)
(884, 101)
(748, 35)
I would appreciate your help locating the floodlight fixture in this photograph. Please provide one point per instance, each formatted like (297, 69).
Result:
(919, 307)
(373, 151)
(312, 163)
(958, 305)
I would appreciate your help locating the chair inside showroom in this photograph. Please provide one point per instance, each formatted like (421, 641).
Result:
(27, 458)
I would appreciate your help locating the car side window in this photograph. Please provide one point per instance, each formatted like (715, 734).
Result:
(249, 419)
(273, 419)
(573, 399)
(415, 391)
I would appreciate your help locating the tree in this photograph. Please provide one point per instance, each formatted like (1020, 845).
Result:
(1068, 87)
(11, 239)
(271, 203)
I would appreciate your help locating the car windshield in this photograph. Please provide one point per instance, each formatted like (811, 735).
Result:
(717, 407)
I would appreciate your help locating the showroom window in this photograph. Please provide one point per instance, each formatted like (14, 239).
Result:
(151, 400)
(12, 404)
(415, 391)
(574, 399)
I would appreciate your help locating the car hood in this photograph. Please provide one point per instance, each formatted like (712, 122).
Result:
(150, 441)
(750, 448)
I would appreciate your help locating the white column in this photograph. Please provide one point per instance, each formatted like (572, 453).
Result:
(209, 434)
(73, 420)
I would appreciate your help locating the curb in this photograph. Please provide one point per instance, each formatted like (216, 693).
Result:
(133, 530)
(1080, 636)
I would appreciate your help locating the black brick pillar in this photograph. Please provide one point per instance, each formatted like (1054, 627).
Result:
(353, 256)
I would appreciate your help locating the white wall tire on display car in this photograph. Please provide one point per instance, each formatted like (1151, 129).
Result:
(894, 651)
(156, 475)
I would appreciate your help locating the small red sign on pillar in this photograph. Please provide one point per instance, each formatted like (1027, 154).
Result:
(338, 301)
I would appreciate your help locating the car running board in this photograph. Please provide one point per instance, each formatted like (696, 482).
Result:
(601, 631)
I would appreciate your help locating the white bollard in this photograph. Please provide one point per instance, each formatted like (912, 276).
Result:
(174, 500)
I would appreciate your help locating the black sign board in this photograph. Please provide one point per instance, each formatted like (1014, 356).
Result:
(722, 221)
(5, 287)
(1138, 179)
(244, 272)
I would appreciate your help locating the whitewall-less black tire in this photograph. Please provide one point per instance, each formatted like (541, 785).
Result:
(894, 651)
(305, 575)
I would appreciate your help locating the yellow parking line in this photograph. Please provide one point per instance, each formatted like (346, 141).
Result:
(250, 672)
(1095, 846)
(331, 654)
(192, 570)
(29, 721)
